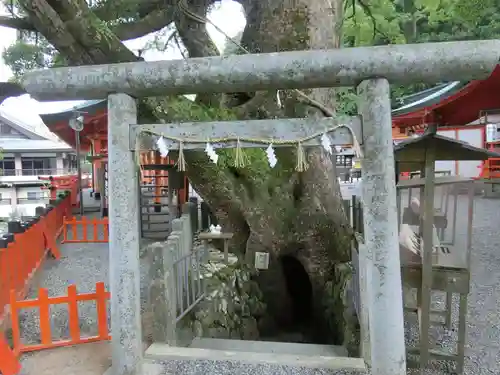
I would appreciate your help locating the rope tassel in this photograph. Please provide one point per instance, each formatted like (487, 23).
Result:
(240, 159)
(181, 162)
(301, 159)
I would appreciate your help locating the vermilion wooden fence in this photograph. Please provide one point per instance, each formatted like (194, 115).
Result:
(43, 303)
(63, 183)
(18, 263)
(8, 360)
(22, 257)
(85, 230)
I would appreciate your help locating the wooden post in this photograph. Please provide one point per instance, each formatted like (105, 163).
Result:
(424, 311)
(158, 180)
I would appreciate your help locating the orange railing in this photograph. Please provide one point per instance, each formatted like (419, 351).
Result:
(8, 361)
(43, 303)
(491, 169)
(84, 230)
(24, 255)
(161, 177)
(59, 184)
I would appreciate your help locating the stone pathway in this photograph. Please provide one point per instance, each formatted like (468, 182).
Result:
(88, 359)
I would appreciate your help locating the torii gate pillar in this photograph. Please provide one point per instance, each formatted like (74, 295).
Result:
(124, 272)
(388, 356)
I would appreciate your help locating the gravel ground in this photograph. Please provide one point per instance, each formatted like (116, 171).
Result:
(81, 264)
(86, 264)
(483, 325)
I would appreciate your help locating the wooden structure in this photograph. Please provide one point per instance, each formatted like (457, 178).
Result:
(225, 237)
(429, 262)
(43, 303)
(455, 107)
(85, 230)
(9, 364)
(459, 106)
(94, 141)
(58, 184)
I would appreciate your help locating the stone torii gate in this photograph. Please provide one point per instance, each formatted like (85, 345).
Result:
(370, 69)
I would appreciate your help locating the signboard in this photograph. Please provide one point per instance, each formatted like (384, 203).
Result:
(351, 188)
(261, 261)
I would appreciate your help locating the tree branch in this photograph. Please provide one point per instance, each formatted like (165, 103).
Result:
(116, 9)
(157, 19)
(46, 21)
(89, 31)
(154, 21)
(17, 23)
(192, 28)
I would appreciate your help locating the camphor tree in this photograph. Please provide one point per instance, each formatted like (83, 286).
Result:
(275, 210)
(279, 210)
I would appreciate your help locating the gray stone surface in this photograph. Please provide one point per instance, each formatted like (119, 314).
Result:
(381, 230)
(124, 271)
(162, 301)
(207, 367)
(403, 63)
(282, 129)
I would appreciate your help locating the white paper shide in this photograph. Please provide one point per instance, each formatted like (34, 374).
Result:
(271, 156)
(161, 143)
(210, 151)
(326, 143)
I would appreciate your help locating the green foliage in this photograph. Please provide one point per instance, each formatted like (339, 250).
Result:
(383, 21)
(22, 57)
(31, 51)
(403, 21)
(180, 109)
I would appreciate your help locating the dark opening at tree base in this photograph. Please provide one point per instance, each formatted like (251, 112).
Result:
(299, 290)
(300, 327)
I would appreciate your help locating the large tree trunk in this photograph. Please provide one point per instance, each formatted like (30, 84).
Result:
(278, 211)
(300, 214)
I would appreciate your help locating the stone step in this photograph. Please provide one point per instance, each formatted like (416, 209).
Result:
(269, 347)
(164, 359)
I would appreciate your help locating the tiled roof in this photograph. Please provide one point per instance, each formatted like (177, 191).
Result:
(33, 132)
(33, 145)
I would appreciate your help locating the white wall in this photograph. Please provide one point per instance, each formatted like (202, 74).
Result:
(24, 208)
(464, 168)
(491, 120)
(7, 208)
(22, 192)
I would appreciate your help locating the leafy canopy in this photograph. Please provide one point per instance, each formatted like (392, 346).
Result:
(373, 22)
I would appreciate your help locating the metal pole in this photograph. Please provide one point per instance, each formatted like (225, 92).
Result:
(79, 170)
(92, 152)
(385, 302)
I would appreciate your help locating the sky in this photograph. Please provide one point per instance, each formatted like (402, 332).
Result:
(228, 16)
